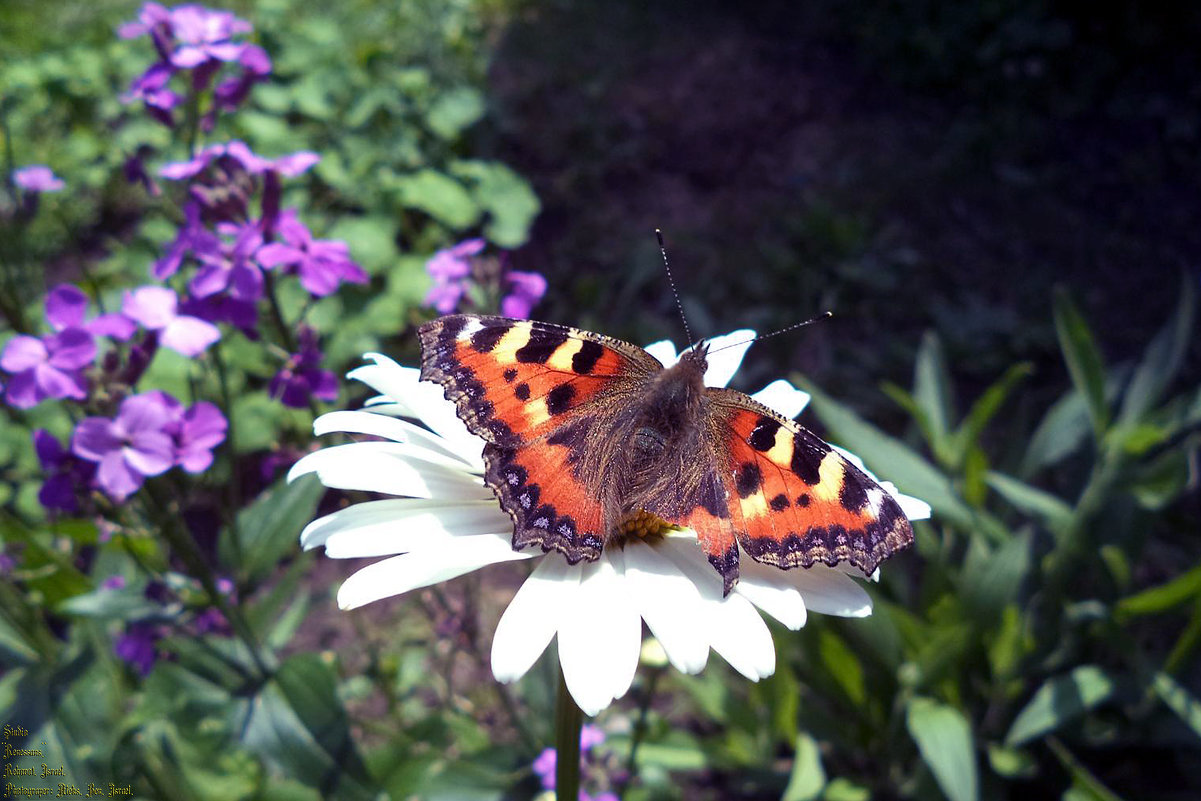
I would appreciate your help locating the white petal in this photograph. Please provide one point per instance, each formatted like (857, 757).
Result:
(600, 635)
(399, 525)
(532, 617)
(914, 508)
(411, 571)
(767, 588)
(736, 632)
(781, 396)
(420, 399)
(725, 355)
(670, 604)
(663, 350)
(830, 591)
(388, 427)
(423, 443)
(391, 468)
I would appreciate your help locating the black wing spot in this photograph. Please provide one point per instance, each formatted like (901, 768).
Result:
(543, 343)
(763, 437)
(485, 339)
(807, 460)
(853, 495)
(779, 503)
(749, 479)
(802, 500)
(558, 400)
(510, 375)
(522, 391)
(587, 357)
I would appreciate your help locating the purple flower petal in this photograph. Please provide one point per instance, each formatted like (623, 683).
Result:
(95, 438)
(58, 493)
(22, 353)
(50, 451)
(150, 452)
(255, 60)
(209, 280)
(324, 384)
(277, 253)
(296, 163)
(55, 383)
(115, 325)
(37, 178)
(189, 335)
(71, 348)
(66, 306)
(150, 411)
(22, 391)
(116, 477)
(151, 306)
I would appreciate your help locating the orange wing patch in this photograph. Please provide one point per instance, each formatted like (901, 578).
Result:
(516, 381)
(799, 501)
(527, 387)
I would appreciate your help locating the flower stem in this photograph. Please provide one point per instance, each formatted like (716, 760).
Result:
(233, 488)
(569, 719)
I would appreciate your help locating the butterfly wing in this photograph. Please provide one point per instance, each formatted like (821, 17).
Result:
(537, 393)
(793, 500)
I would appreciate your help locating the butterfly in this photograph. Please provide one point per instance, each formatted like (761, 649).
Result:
(588, 438)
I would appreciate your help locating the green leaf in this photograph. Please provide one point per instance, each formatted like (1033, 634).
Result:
(1054, 513)
(372, 241)
(985, 408)
(439, 196)
(1060, 700)
(509, 201)
(1179, 700)
(841, 789)
(932, 393)
(944, 738)
(808, 777)
(123, 604)
(1162, 359)
(1011, 763)
(270, 527)
(454, 111)
(992, 577)
(1083, 359)
(842, 665)
(1163, 597)
(297, 722)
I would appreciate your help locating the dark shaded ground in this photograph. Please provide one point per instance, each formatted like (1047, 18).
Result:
(790, 178)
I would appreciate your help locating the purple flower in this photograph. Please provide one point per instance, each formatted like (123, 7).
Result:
(151, 88)
(238, 153)
(544, 766)
(193, 239)
(450, 268)
(47, 368)
(231, 268)
(138, 646)
(242, 314)
(67, 305)
(321, 264)
(205, 35)
(526, 289)
(65, 473)
(201, 428)
(133, 445)
(302, 378)
(157, 309)
(37, 178)
(113, 583)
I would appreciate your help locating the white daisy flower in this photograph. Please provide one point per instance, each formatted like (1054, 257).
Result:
(443, 522)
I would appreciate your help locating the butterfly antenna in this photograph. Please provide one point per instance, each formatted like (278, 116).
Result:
(818, 318)
(672, 283)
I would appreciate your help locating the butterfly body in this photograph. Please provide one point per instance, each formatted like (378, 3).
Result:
(584, 432)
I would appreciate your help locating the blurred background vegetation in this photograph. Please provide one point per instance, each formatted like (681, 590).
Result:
(998, 200)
